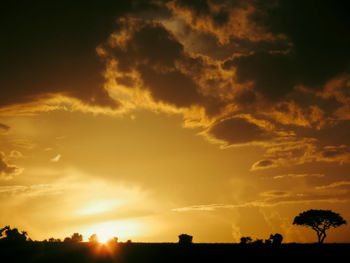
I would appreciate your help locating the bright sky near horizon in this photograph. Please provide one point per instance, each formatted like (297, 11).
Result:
(147, 119)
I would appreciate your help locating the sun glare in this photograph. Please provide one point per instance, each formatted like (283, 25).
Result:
(122, 229)
(104, 235)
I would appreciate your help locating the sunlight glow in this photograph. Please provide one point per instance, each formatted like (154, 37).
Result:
(123, 229)
(99, 207)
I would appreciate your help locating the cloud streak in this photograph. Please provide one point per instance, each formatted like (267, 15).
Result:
(333, 185)
(283, 176)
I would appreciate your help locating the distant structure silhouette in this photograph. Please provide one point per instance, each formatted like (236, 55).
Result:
(320, 221)
(185, 239)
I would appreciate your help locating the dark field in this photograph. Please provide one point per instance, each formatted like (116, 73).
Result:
(171, 252)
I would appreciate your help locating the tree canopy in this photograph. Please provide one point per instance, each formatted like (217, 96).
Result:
(320, 221)
(13, 234)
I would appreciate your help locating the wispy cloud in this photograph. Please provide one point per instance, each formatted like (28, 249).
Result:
(271, 199)
(56, 158)
(30, 190)
(282, 176)
(333, 185)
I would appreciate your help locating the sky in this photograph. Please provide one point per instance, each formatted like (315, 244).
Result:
(147, 119)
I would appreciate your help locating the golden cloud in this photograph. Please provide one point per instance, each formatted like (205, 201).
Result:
(7, 171)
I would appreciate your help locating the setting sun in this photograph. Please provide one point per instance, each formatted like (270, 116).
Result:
(103, 237)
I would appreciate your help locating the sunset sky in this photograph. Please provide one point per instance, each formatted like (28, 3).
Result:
(147, 119)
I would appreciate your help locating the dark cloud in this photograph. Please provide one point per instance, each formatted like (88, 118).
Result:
(148, 43)
(171, 87)
(239, 131)
(263, 164)
(199, 7)
(272, 74)
(318, 32)
(333, 151)
(202, 8)
(274, 61)
(306, 43)
(50, 48)
(160, 59)
(278, 47)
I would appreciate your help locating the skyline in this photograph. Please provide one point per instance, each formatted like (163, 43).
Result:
(147, 119)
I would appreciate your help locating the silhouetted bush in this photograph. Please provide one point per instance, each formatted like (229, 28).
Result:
(185, 239)
(54, 240)
(268, 242)
(276, 239)
(258, 242)
(245, 240)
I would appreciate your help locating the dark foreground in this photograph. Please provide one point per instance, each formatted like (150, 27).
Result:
(170, 252)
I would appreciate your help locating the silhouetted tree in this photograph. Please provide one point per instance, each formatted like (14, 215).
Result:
(3, 229)
(258, 242)
(93, 239)
(75, 238)
(246, 240)
(276, 239)
(320, 221)
(13, 234)
(53, 240)
(185, 239)
(112, 241)
(268, 242)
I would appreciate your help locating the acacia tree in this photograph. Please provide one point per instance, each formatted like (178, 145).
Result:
(320, 221)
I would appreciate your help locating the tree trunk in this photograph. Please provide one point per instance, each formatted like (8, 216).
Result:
(318, 237)
(321, 236)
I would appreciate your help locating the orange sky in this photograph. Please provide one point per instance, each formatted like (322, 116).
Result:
(148, 120)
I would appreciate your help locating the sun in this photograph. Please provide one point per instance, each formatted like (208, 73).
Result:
(104, 235)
